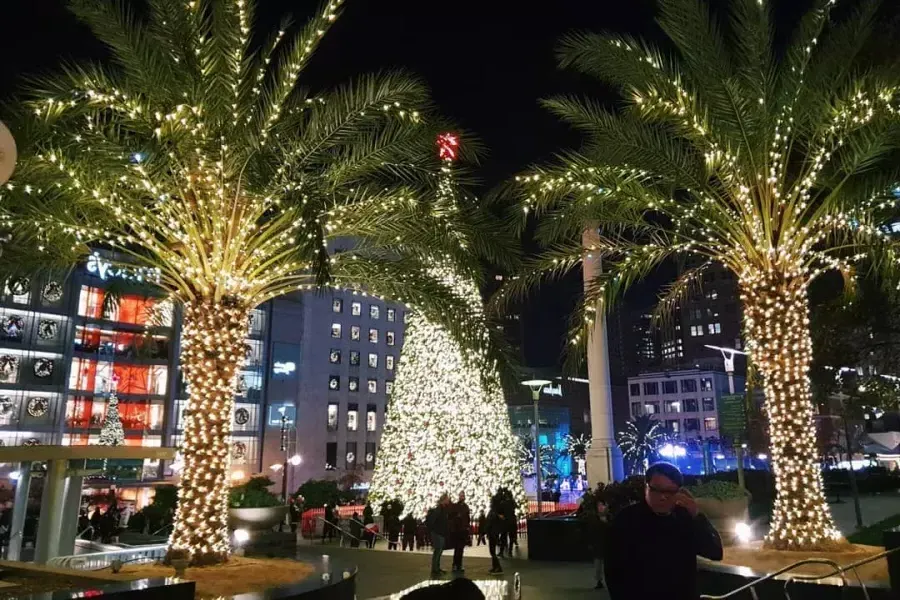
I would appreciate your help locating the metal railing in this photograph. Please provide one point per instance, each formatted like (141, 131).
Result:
(342, 533)
(838, 571)
(377, 534)
(100, 560)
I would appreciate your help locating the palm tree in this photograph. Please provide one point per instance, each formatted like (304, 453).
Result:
(196, 155)
(777, 163)
(640, 441)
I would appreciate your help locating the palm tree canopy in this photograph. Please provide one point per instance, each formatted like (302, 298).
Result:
(728, 148)
(196, 153)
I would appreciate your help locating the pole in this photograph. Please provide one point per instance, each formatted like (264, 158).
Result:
(738, 445)
(854, 489)
(284, 468)
(535, 396)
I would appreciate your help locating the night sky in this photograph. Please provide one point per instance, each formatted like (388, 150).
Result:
(486, 61)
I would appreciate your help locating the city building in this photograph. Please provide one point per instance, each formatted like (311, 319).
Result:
(334, 356)
(685, 402)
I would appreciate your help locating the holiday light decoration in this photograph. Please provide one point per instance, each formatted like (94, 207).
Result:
(447, 428)
(640, 442)
(776, 166)
(111, 431)
(201, 163)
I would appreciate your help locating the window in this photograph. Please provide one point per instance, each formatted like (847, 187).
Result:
(712, 295)
(334, 383)
(354, 333)
(696, 314)
(651, 388)
(373, 360)
(389, 336)
(673, 426)
(350, 457)
(635, 389)
(373, 386)
(673, 406)
(371, 417)
(352, 417)
(651, 408)
(373, 336)
(709, 423)
(706, 384)
(354, 358)
(337, 305)
(692, 424)
(391, 315)
(335, 356)
(709, 404)
(336, 330)
(355, 309)
(714, 328)
(332, 422)
(690, 404)
(636, 409)
(388, 387)
(374, 311)
(389, 362)
(696, 330)
(353, 384)
(330, 456)
(670, 387)
(370, 456)
(688, 385)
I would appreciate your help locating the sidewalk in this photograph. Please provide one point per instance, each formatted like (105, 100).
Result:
(385, 572)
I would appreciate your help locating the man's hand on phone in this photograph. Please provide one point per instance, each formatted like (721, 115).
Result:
(685, 500)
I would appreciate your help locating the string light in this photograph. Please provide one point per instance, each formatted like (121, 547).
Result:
(447, 427)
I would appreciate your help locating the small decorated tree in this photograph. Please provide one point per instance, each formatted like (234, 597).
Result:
(112, 433)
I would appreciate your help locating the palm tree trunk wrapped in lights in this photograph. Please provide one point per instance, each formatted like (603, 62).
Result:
(212, 352)
(202, 164)
(777, 165)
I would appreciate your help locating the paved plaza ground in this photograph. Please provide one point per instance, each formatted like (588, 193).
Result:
(383, 572)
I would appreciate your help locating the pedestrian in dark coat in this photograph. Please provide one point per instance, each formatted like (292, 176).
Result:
(496, 531)
(460, 521)
(356, 530)
(654, 544)
(392, 525)
(437, 522)
(409, 526)
(595, 525)
(482, 528)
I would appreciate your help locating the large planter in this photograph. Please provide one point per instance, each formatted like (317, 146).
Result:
(724, 514)
(256, 519)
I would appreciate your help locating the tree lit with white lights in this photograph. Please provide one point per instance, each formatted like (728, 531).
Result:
(195, 153)
(777, 165)
(447, 427)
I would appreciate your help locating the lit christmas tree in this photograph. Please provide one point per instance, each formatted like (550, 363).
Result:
(112, 433)
(447, 427)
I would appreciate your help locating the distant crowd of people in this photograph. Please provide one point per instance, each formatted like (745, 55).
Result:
(103, 525)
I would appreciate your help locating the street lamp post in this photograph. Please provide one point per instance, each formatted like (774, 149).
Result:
(536, 386)
(728, 358)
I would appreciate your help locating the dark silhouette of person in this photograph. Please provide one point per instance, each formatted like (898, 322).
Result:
(496, 531)
(409, 526)
(460, 522)
(437, 522)
(482, 528)
(355, 530)
(654, 544)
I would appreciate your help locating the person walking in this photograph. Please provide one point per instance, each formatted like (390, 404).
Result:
(482, 528)
(596, 529)
(327, 527)
(437, 523)
(496, 532)
(653, 545)
(356, 530)
(460, 522)
(392, 525)
(409, 526)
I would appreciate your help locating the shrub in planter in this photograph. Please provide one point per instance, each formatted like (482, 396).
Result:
(724, 504)
(253, 494)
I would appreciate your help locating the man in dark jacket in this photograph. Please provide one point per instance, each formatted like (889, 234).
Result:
(653, 545)
(496, 531)
(437, 528)
(482, 528)
(460, 521)
(409, 525)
